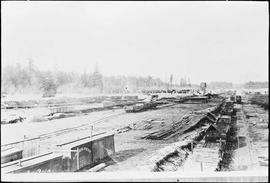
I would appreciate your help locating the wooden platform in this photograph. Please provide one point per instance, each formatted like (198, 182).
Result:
(67, 157)
(11, 155)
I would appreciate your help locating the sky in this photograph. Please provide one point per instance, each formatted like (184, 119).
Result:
(205, 41)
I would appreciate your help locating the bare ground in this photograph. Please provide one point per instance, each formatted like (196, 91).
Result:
(132, 153)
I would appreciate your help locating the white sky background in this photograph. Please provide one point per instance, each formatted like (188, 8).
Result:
(207, 41)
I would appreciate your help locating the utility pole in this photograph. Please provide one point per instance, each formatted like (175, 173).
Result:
(171, 80)
(23, 144)
(91, 130)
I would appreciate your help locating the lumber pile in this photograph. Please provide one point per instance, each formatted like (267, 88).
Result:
(177, 128)
(124, 129)
(149, 124)
(260, 99)
(188, 122)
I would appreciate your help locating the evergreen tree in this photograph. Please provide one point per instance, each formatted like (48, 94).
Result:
(48, 85)
(96, 80)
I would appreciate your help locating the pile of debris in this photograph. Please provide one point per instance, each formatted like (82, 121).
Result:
(12, 119)
(53, 116)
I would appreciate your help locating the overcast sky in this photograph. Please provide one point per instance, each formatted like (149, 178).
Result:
(207, 41)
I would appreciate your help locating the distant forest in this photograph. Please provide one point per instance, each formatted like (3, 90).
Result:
(256, 85)
(230, 85)
(220, 85)
(29, 79)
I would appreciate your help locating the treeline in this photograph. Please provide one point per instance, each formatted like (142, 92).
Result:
(29, 79)
(256, 85)
(220, 85)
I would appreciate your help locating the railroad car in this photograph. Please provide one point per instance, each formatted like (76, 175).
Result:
(238, 99)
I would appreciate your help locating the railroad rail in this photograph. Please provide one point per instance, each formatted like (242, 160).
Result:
(65, 130)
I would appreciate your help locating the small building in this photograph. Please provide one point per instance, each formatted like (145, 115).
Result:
(212, 133)
(215, 132)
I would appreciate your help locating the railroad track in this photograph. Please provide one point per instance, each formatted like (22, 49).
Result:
(88, 125)
(65, 130)
(48, 135)
(108, 117)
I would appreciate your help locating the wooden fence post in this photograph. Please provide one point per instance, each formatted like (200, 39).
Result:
(201, 166)
(23, 146)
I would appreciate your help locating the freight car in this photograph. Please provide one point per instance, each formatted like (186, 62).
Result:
(238, 99)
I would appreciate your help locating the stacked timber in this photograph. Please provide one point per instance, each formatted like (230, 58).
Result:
(260, 99)
(176, 129)
(188, 122)
(148, 124)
